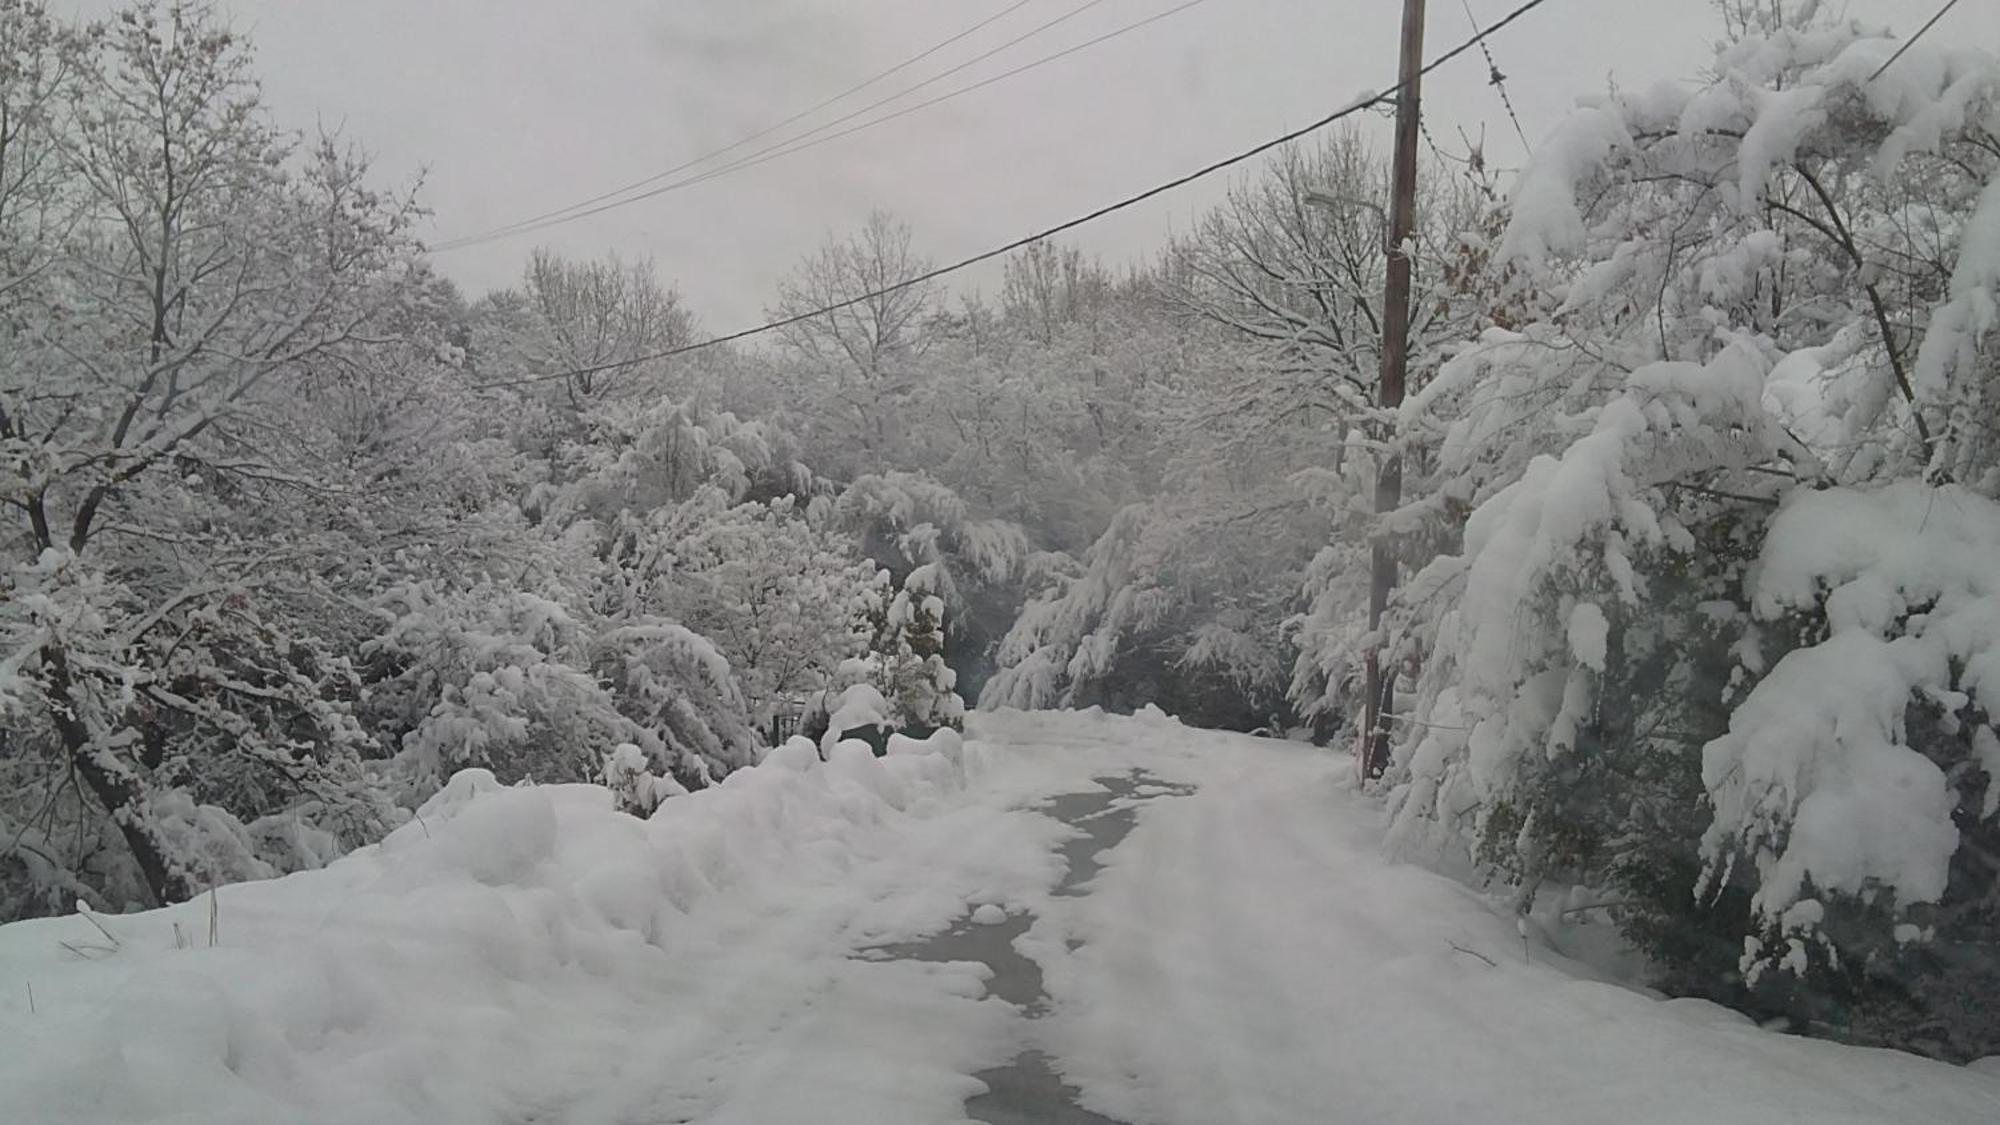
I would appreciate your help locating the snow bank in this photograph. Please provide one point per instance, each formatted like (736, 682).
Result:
(529, 953)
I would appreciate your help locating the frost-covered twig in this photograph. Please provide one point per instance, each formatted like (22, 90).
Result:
(1474, 953)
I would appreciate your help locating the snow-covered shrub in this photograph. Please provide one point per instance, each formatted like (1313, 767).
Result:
(679, 697)
(1859, 777)
(489, 677)
(906, 658)
(1329, 637)
(784, 598)
(1710, 638)
(520, 685)
(634, 786)
(858, 712)
(1513, 660)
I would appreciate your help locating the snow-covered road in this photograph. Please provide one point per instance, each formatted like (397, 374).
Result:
(855, 941)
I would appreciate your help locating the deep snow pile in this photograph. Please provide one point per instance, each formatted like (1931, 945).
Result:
(529, 954)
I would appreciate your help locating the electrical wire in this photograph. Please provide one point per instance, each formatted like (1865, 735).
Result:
(1912, 40)
(987, 255)
(806, 141)
(1497, 80)
(768, 130)
(584, 209)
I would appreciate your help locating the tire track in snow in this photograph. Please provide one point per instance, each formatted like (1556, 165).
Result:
(1029, 1089)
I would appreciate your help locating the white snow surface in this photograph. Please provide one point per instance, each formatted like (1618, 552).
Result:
(1245, 955)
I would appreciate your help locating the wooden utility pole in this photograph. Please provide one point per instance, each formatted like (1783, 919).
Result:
(1381, 682)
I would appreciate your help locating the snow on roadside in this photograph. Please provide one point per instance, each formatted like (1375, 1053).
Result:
(530, 955)
(523, 954)
(1247, 955)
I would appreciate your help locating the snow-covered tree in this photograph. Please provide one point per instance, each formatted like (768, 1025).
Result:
(908, 522)
(785, 599)
(1049, 289)
(1223, 584)
(858, 364)
(186, 275)
(1711, 637)
(575, 333)
(906, 661)
(1169, 604)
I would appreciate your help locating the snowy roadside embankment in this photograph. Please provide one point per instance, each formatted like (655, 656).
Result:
(530, 954)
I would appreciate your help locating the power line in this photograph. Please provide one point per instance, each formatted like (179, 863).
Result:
(807, 140)
(585, 208)
(761, 133)
(780, 148)
(1496, 80)
(1912, 40)
(1039, 236)
(965, 263)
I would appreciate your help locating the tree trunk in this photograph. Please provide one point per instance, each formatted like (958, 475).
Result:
(117, 788)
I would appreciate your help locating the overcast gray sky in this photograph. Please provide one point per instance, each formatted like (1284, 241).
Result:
(516, 107)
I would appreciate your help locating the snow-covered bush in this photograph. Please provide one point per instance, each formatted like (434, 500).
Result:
(230, 740)
(489, 677)
(1715, 636)
(1859, 778)
(906, 657)
(783, 597)
(678, 694)
(857, 712)
(521, 685)
(635, 788)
